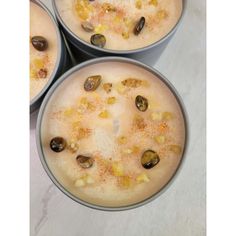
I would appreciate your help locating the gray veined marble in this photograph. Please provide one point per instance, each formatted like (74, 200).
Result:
(180, 211)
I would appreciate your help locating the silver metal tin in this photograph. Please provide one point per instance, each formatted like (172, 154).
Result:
(60, 66)
(145, 54)
(44, 105)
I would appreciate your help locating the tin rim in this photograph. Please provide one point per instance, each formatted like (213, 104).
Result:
(51, 92)
(119, 52)
(59, 54)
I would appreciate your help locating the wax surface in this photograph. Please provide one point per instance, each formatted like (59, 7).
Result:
(116, 20)
(41, 25)
(107, 126)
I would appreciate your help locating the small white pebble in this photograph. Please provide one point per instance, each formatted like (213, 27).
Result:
(142, 178)
(79, 183)
(89, 180)
(156, 116)
(127, 151)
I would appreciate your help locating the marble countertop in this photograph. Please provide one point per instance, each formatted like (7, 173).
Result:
(180, 211)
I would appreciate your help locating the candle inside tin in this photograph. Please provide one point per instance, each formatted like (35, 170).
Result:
(116, 154)
(118, 21)
(43, 49)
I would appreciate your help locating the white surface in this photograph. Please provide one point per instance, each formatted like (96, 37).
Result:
(180, 211)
